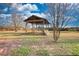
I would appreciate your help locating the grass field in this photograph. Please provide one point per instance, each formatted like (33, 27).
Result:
(20, 44)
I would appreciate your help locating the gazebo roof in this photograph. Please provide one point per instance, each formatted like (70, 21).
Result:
(36, 20)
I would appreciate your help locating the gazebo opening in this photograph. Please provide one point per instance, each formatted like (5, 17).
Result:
(37, 23)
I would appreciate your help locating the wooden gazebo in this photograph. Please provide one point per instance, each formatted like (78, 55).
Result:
(36, 20)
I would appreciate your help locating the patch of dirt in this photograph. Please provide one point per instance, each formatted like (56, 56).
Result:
(6, 45)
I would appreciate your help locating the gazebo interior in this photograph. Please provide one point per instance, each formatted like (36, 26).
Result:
(38, 24)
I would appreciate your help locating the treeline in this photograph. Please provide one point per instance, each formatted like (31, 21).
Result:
(50, 29)
(10, 28)
(67, 29)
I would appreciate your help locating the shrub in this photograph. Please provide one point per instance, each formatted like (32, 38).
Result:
(75, 51)
(42, 52)
(22, 51)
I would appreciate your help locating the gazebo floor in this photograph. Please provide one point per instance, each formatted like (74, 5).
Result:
(35, 31)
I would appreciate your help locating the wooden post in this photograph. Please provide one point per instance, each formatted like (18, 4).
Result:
(48, 26)
(36, 26)
(32, 27)
(43, 26)
(26, 27)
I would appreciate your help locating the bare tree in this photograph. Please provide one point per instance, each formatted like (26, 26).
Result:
(57, 13)
(1, 20)
(14, 21)
(15, 17)
(17, 21)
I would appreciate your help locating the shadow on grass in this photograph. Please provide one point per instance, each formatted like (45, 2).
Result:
(20, 34)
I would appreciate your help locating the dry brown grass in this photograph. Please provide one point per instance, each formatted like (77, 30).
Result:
(67, 41)
(12, 34)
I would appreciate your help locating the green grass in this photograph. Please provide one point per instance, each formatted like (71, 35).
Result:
(45, 47)
(75, 51)
(22, 51)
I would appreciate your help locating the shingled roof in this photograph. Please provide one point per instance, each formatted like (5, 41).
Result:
(36, 20)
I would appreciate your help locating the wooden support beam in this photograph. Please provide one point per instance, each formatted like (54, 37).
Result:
(26, 26)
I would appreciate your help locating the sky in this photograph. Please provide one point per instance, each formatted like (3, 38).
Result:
(22, 7)
(28, 9)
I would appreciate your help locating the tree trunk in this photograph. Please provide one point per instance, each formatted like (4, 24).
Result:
(15, 30)
(15, 26)
(56, 34)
